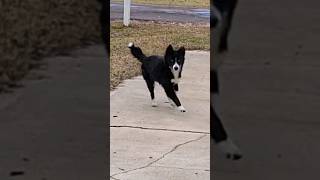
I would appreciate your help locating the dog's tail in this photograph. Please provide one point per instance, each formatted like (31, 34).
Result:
(136, 52)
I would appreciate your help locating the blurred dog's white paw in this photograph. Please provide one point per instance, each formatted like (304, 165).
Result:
(181, 109)
(230, 149)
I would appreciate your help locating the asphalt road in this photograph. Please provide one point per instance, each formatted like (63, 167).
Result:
(161, 13)
(270, 96)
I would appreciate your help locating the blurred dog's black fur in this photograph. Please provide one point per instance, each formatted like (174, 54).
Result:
(222, 15)
(104, 21)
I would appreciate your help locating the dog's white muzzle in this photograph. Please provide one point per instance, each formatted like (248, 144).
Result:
(176, 67)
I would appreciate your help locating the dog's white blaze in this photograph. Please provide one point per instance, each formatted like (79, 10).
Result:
(175, 73)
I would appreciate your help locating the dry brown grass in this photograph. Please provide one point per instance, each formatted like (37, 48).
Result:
(32, 29)
(185, 3)
(153, 38)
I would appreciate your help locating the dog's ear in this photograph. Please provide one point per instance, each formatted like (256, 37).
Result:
(169, 53)
(169, 50)
(181, 51)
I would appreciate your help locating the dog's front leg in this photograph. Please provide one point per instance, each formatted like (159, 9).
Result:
(171, 102)
(172, 95)
(176, 87)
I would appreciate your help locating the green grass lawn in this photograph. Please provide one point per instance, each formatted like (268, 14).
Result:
(186, 3)
(153, 38)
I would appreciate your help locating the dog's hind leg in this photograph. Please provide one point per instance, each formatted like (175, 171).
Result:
(150, 85)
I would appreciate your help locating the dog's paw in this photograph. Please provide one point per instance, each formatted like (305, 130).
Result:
(230, 149)
(154, 103)
(181, 109)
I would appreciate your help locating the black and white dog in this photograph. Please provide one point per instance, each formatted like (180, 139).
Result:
(166, 70)
(221, 17)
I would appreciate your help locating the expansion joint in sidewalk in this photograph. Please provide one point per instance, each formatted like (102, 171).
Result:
(159, 129)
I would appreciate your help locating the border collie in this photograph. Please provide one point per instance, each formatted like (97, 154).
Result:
(165, 70)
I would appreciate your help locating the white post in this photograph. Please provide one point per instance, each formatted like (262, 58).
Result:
(126, 12)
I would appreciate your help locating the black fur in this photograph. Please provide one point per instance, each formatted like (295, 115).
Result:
(104, 17)
(159, 69)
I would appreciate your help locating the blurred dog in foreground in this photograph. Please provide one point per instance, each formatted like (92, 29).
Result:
(221, 17)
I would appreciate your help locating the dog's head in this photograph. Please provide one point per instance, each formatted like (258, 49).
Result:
(175, 59)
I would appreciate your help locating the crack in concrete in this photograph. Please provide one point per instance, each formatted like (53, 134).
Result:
(161, 157)
(114, 178)
(121, 169)
(172, 167)
(160, 129)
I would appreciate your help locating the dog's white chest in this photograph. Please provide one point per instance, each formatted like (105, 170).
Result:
(176, 78)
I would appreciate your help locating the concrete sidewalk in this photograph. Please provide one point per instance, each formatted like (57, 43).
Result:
(156, 143)
(55, 126)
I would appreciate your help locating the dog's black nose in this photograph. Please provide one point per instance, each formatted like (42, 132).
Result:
(175, 68)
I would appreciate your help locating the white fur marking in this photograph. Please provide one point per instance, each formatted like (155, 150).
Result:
(175, 81)
(181, 109)
(229, 148)
(175, 73)
(130, 44)
(153, 103)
